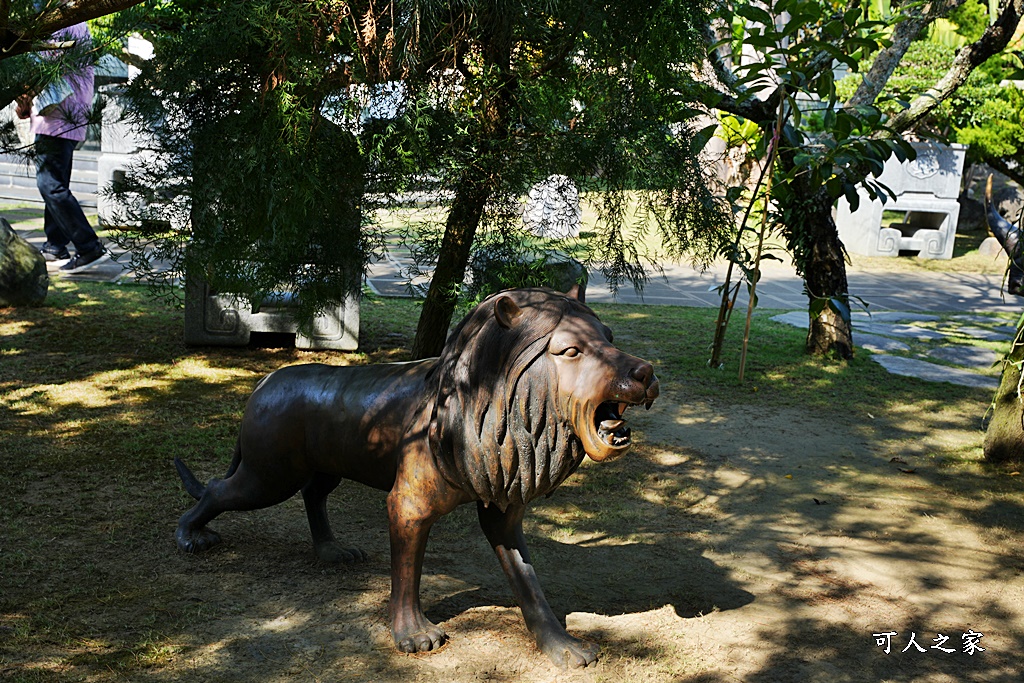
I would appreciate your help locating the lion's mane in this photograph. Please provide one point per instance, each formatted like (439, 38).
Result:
(496, 429)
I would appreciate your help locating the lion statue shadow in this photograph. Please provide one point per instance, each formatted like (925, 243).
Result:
(616, 580)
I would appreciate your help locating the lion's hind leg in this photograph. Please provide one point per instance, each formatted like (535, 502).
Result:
(328, 550)
(243, 489)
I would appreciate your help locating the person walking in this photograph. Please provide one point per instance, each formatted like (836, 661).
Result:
(59, 117)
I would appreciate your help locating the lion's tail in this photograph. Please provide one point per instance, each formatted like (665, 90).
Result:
(193, 486)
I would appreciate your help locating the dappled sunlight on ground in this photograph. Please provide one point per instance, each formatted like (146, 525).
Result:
(753, 536)
(810, 515)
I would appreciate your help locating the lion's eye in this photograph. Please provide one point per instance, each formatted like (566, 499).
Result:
(569, 352)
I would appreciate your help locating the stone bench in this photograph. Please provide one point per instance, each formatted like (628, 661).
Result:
(217, 319)
(926, 191)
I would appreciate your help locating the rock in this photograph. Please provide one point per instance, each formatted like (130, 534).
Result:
(931, 372)
(892, 317)
(877, 343)
(23, 278)
(551, 269)
(899, 330)
(987, 335)
(553, 208)
(990, 248)
(561, 274)
(973, 357)
(972, 215)
(794, 318)
(1009, 202)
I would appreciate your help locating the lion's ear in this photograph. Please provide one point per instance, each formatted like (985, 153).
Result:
(506, 311)
(577, 292)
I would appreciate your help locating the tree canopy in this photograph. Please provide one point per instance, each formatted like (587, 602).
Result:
(484, 99)
(250, 179)
(775, 63)
(491, 97)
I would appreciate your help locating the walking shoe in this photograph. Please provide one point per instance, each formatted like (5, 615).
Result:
(82, 261)
(51, 252)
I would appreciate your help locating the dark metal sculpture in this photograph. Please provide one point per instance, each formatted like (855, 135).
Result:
(528, 384)
(1008, 236)
(1004, 435)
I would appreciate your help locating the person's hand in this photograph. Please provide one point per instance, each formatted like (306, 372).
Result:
(24, 108)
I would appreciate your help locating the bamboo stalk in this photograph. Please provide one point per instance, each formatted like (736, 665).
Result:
(764, 226)
(725, 308)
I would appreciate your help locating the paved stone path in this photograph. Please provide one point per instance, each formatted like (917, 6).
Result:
(892, 332)
(896, 300)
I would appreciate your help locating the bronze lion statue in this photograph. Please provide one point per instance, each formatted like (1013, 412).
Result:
(527, 385)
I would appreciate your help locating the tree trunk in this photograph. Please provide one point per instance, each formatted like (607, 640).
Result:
(480, 178)
(20, 38)
(830, 332)
(993, 41)
(820, 259)
(887, 59)
(1004, 437)
(459, 231)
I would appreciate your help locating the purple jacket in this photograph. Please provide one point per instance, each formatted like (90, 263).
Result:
(69, 118)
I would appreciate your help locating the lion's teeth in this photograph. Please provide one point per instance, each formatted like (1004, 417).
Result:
(611, 425)
(622, 408)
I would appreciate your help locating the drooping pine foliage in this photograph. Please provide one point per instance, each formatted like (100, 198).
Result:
(30, 59)
(252, 180)
(275, 136)
(596, 92)
(502, 95)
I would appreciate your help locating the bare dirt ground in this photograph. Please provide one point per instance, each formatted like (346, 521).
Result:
(736, 544)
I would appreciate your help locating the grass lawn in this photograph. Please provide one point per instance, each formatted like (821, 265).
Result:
(98, 394)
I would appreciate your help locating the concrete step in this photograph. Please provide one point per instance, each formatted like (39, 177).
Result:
(18, 179)
(85, 160)
(12, 194)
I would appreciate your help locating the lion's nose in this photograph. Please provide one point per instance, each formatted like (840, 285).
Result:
(643, 373)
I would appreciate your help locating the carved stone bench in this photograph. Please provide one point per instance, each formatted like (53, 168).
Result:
(215, 319)
(926, 192)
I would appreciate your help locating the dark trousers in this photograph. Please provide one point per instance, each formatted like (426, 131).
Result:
(63, 220)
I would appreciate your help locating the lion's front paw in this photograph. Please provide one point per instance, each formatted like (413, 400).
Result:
(425, 638)
(332, 552)
(568, 652)
(196, 540)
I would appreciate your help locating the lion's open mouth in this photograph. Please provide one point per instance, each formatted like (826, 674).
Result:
(611, 427)
(608, 437)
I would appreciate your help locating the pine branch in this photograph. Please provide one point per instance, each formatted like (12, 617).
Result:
(1015, 174)
(750, 108)
(746, 105)
(906, 30)
(16, 40)
(993, 41)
